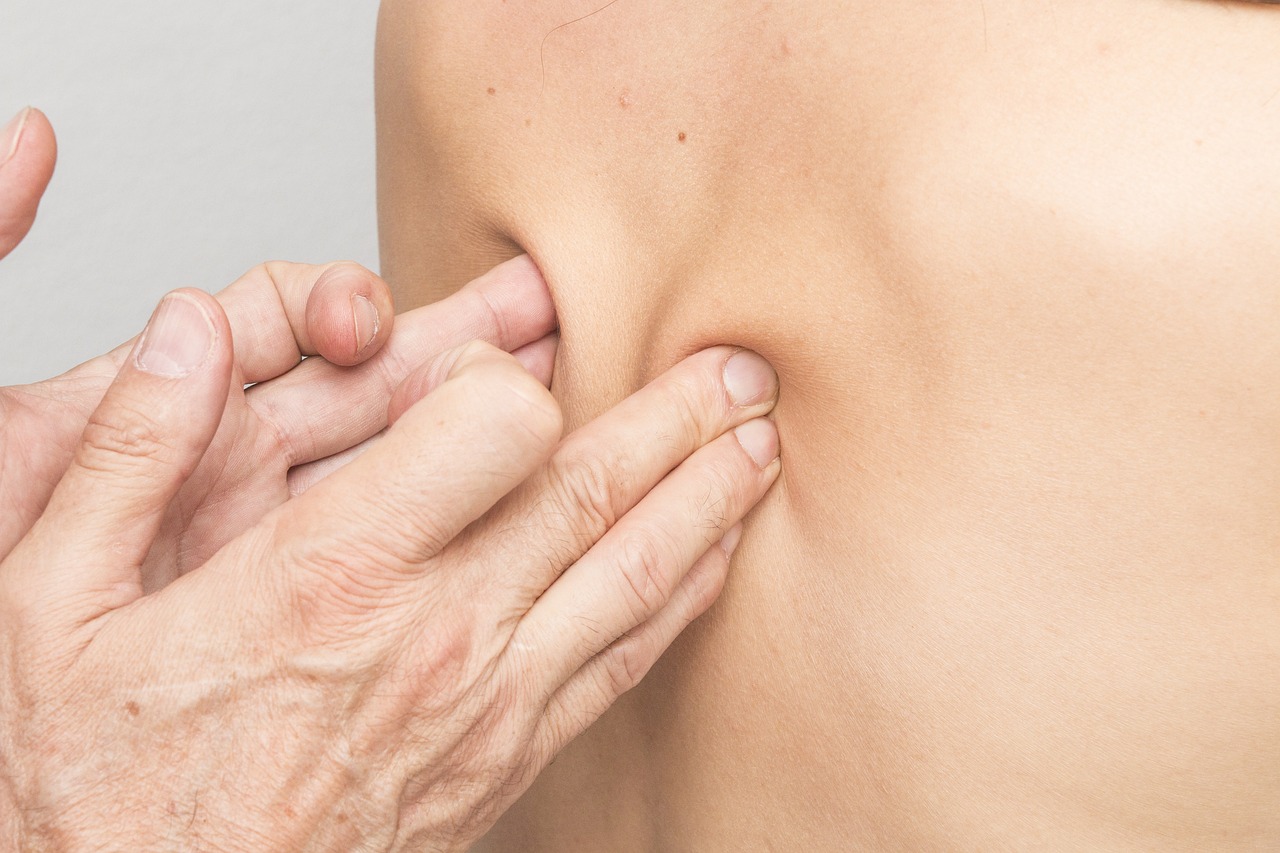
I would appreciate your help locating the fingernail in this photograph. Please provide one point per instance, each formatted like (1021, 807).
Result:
(760, 439)
(11, 136)
(749, 379)
(729, 541)
(178, 338)
(366, 317)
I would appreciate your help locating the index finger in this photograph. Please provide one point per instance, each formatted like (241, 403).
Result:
(602, 470)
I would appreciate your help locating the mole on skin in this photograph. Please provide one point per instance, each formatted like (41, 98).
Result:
(492, 91)
(681, 137)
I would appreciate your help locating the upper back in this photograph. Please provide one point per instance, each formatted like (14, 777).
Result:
(1015, 265)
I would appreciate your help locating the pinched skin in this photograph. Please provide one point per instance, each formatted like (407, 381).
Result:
(1016, 266)
(348, 608)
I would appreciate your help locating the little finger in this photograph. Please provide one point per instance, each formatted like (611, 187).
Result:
(594, 688)
(632, 572)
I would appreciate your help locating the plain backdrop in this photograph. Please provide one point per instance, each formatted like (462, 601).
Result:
(196, 139)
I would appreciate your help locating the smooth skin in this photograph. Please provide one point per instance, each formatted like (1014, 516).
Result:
(377, 642)
(1016, 266)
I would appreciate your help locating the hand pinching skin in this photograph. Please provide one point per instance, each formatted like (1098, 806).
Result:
(361, 604)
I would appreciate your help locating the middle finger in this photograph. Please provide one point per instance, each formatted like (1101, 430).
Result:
(603, 469)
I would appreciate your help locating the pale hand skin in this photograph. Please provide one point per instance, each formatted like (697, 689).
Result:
(298, 413)
(386, 661)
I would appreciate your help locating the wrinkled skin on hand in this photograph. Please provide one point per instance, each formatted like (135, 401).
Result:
(298, 414)
(388, 659)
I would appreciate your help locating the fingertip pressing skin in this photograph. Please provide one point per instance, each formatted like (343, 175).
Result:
(749, 379)
(609, 465)
(759, 438)
(349, 314)
(516, 289)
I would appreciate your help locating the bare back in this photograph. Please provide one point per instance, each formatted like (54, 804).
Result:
(1017, 267)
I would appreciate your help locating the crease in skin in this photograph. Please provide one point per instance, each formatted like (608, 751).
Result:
(180, 688)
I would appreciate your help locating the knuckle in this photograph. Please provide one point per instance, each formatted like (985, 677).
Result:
(589, 486)
(539, 413)
(528, 398)
(697, 410)
(513, 400)
(495, 319)
(624, 665)
(334, 597)
(115, 440)
(270, 269)
(282, 438)
(274, 273)
(437, 662)
(644, 573)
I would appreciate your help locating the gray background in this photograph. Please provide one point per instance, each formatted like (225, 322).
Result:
(196, 139)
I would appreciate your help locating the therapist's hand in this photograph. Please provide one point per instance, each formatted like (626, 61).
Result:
(386, 661)
(271, 436)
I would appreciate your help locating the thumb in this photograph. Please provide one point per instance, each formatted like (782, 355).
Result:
(27, 155)
(141, 444)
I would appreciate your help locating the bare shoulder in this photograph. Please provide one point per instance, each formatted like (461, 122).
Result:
(1145, 122)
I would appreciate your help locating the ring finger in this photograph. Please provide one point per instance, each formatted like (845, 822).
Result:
(604, 469)
(632, 572)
